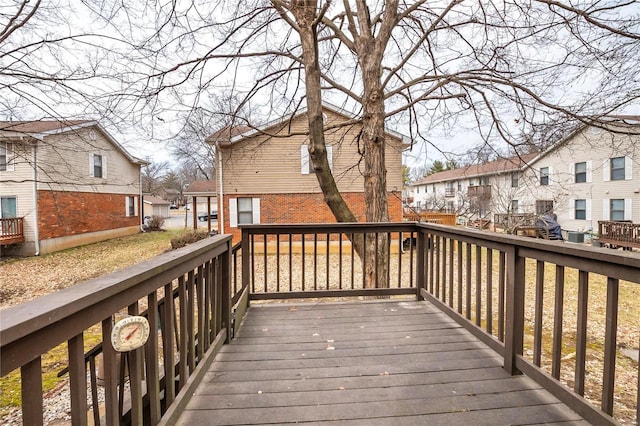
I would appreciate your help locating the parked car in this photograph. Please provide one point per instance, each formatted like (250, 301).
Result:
(202, 217)
(173, 207)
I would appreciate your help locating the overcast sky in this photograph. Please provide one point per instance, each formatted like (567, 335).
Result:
(146, 131)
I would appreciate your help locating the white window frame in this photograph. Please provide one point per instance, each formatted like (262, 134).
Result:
(9, 197)
(548, 176)
(628, 168)
(515, 179)
(572, 208)
(587, 171)
(306, 167)
(233, 211)
(606, 208)
(131, 201)
(103, 159)
(9, 156)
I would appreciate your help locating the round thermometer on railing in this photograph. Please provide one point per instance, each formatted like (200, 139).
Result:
(130, 333)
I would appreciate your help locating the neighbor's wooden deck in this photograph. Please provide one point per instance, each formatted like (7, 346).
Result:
(382, 363)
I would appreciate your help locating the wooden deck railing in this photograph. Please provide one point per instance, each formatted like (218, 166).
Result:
(556, 312)
(549, 308)
(11, 230)
(619, 234)
(187, 329)
(511, 221)
(290, 261)
(431, 217)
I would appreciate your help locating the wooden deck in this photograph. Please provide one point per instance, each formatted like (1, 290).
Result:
(377, 363)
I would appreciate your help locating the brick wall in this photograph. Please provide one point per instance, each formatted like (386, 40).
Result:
(306, 208)
(62, 214)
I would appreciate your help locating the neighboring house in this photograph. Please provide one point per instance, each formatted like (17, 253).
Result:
(204, 194)
(154, 206)
(592, 175)
(266, 178)
(68, 182)
(470, 191)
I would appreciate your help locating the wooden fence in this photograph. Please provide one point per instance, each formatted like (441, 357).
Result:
(431, 217)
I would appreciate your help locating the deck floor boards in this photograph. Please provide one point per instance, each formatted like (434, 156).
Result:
(375, 363)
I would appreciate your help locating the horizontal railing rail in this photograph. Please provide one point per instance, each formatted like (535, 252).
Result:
(551, 309)
(186, 330)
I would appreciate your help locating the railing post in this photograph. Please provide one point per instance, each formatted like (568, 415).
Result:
(226, 289)
(513, 345)
(420, 271)
(32, 405)
(244, 244)
(77, 380)
(110, 375)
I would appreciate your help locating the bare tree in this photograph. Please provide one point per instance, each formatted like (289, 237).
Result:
(189, 147)
(153, 174)
(502, 67)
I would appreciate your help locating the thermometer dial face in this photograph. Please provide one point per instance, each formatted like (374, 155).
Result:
(130, 333)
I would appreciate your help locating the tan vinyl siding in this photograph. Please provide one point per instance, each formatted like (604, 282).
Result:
(596, 148)
(64, 162)
(270, 165)
(19, 184)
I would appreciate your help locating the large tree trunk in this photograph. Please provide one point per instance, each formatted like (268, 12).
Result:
(370, 51)
(371, 252)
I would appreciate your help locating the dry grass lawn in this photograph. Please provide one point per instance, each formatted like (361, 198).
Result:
(27, 278)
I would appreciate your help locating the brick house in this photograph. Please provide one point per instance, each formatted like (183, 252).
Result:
(264, 175)
(67, 183)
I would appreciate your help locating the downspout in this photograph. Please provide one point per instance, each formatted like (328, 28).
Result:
(35, 199)
(221, 197)
(141, 201)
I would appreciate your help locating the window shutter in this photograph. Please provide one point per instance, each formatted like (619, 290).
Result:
(606, 171)
(127, 201)
(255, 208)
(550, 175)
(233, 212)
(628, 202)
(588, 203)
(606, 215)
(304, 159)
(589, 170)
(104, 167)
(330, 157)
(572, 208)
(91, 165)
(135, 206)
(628, 169)
(572, 171)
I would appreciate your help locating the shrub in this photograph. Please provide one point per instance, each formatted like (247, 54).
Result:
(188, 237)
(154, 223)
